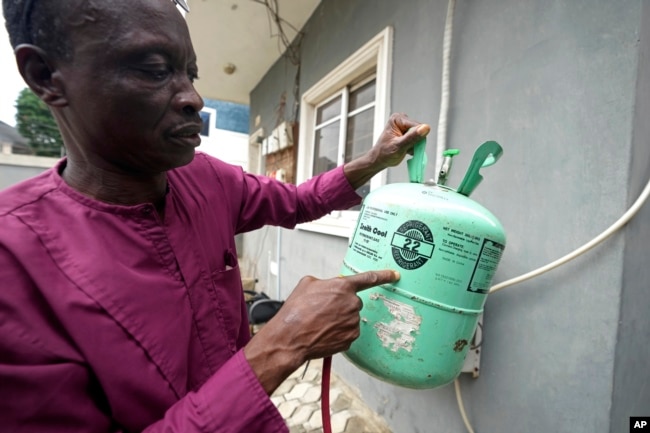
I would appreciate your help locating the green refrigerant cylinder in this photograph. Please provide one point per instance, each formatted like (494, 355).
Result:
(416, 332)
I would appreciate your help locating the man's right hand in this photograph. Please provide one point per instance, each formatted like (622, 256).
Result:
(320, 318)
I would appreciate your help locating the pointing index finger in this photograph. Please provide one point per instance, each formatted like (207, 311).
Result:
(366, 280)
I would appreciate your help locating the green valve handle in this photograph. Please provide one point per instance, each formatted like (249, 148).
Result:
(451, 152)
(418, 163)
(487, 154)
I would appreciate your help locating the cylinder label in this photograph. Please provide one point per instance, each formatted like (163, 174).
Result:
(412, 244)
(449, 253)
(485, 266)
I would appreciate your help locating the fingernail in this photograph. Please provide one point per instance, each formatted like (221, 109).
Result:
(423, 129)
(397, 275)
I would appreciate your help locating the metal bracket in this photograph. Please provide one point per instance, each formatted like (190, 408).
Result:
(472, 363)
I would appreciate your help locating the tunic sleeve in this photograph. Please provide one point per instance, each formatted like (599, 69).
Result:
(260, 200)
(244, 408)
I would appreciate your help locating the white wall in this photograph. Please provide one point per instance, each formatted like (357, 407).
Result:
(16, 168)
(228, 146)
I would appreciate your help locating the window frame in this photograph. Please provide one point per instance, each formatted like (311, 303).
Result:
(373, 58)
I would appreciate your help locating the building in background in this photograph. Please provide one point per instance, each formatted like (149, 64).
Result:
(225, 131)
(11, 142)
(16, 160)
(565, 88)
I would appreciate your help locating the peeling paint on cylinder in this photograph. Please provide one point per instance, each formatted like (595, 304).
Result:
(460, 345)
(398, 333)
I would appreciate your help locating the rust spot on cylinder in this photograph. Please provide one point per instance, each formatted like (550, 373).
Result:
(460, 345)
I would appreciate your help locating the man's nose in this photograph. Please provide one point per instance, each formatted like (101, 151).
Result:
(187, 99)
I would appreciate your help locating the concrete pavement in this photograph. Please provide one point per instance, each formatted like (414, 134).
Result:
(298, 400)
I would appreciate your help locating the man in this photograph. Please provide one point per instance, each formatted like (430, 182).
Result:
(121, 306)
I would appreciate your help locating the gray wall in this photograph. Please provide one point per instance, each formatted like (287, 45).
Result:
(564, 86)
(631, 377)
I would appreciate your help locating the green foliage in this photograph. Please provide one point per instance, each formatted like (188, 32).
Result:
(36, 123)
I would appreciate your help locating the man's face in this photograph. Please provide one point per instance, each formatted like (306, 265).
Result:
(132, 106)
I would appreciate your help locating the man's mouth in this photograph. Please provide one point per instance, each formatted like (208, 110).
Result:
(187, 135)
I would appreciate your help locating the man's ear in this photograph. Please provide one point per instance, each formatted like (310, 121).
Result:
(40, 76)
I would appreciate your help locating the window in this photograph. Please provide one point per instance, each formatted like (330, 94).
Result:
(344, 128)
(209, 120)
(342, 117)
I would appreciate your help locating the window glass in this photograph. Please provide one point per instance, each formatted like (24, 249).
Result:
(359, 134)
(326, 147)
(328, 111)
(359, 141)
(364, 95)
(205, 126)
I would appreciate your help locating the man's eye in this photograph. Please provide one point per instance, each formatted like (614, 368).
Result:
(155, 73)
(159, 74)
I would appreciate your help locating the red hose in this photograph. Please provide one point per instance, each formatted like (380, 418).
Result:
(325, 395)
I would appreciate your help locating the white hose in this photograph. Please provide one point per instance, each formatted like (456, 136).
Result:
(441, 143)
(624, 219)
(627, 216)
(461, 407)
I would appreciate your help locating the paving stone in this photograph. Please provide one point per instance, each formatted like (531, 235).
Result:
(342, 402)
(287, 408)
(335, 392)
(303, 413)
(312, 395)
(277, 399)
(313, 373)
(297, 374)
(285, 387)
(339, 420)
(298, 391)
(315, 422)
(357, 424)
(308, 371)
(298, 400)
